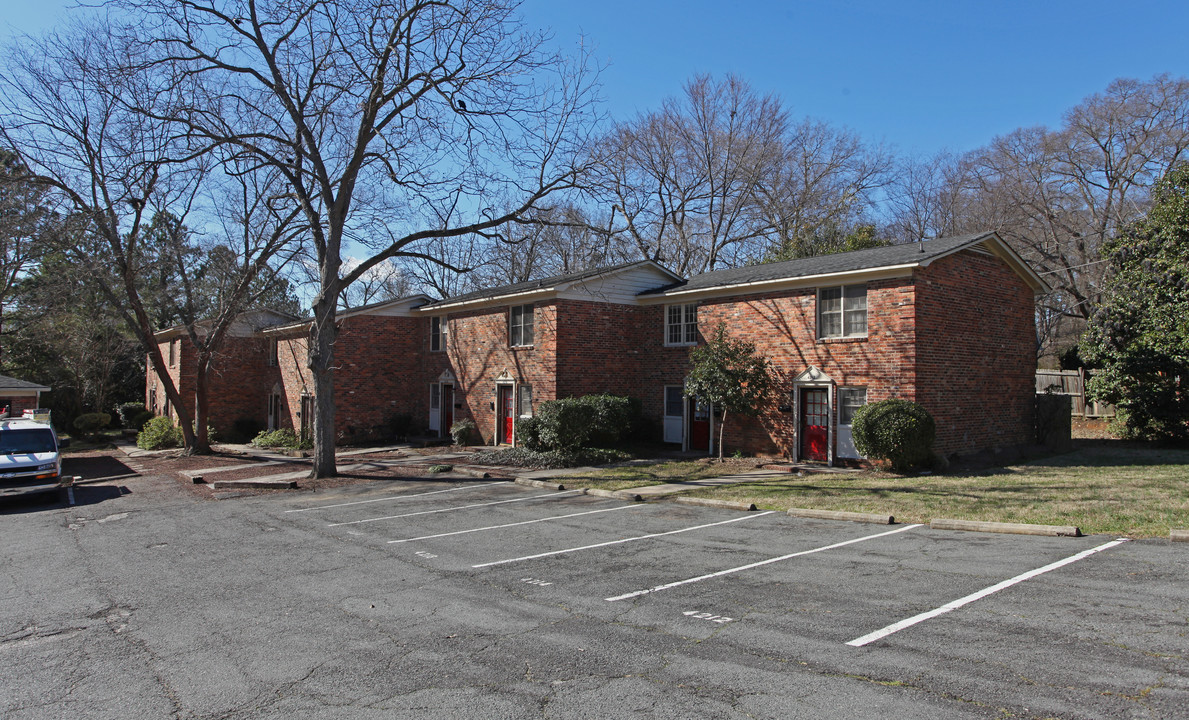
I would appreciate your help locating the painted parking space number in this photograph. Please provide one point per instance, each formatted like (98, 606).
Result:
(534, 581)
(720, 619)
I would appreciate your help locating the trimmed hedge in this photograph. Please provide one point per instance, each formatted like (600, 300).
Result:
(283, 438)
(159, 433)
(129, 411)
(91, 423)
(571, 423)
(899, 431)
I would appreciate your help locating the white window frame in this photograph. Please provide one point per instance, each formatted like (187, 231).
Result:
(681, 320)
(438, 332)
(524, 394)
(517, 330)
(843, 392)
(848, 301)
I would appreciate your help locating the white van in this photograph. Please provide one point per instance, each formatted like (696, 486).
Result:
(30, 461)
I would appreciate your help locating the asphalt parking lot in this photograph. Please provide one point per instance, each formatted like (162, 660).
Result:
(475, 598)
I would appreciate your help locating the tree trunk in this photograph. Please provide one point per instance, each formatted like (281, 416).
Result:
(722, 426)
(202, 441)
(320, 362)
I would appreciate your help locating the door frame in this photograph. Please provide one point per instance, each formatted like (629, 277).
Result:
(682, 416)
(501, 422)
(828, 386)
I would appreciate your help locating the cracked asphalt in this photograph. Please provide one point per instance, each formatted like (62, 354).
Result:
(147, 601)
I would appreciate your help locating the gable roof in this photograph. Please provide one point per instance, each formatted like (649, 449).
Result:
(384, 307)
(246, 323)
(891, 259)
(10, 383)
(549, 285)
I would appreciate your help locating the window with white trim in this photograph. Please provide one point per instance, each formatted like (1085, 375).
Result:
(681, 324)
(520, 325)
(437, 334)
(849, 402)
(526, 400)
(842, 311)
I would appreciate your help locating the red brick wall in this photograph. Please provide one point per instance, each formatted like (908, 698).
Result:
(478, 353)
(783, 328)
(976, 361)
(237, 382)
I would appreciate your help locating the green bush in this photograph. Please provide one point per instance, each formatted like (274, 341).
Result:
(283, 438)
(159, 433)
(899, 431)
(461, 431)
(550, 459)
(137, 421)
(592, 420)
(128, 412)
(528, 433)
(91, 423)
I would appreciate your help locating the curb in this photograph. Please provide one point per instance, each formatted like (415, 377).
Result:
(253, 484)
(544, 484)
(707, 502)
(1013, 528)
(843, 515)
(1181, 535)
(617, 494)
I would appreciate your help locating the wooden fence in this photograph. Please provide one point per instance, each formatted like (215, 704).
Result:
(1072, 383)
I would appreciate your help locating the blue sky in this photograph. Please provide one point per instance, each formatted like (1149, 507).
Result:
(922, 76)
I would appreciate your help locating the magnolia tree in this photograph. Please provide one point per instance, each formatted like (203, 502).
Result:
(731, 375)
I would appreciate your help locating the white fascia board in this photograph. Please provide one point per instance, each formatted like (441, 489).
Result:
(520, 298)
(796, 283)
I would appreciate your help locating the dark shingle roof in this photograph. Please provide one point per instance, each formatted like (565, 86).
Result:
(11, 383)
(530, 285)
(909, 253)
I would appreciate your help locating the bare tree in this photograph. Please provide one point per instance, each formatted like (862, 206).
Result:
(823, 182)
(80, 107)
(685, 179)
(394, 123)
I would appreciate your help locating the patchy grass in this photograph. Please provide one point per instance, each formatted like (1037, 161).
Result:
(1110, 487)
(79, 443)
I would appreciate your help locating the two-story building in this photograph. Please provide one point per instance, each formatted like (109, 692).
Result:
(947, 323)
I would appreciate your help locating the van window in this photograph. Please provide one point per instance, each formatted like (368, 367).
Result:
(27, 441)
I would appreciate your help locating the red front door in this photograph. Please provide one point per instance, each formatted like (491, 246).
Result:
(699, 425)
(815, 418)
(507, 412)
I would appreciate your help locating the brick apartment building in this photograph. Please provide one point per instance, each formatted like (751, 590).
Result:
(946, 322)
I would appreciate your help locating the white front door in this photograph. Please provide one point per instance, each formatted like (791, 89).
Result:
(849, 400)
(674, 414)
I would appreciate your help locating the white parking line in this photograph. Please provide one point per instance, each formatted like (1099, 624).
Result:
(618, 542)
(452, 509)
(741, 568)
(897, 627)
(396, 497)
(508, 525)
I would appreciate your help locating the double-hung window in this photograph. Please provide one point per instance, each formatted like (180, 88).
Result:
(849, 402)
(526, 400)
(520, 325)
(842, 311)
(437, 334)
(681, 324)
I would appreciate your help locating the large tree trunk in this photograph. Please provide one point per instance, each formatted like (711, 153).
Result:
(320, 362)
(202, 441)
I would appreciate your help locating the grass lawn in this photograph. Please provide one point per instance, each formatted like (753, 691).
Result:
(1104, 487)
